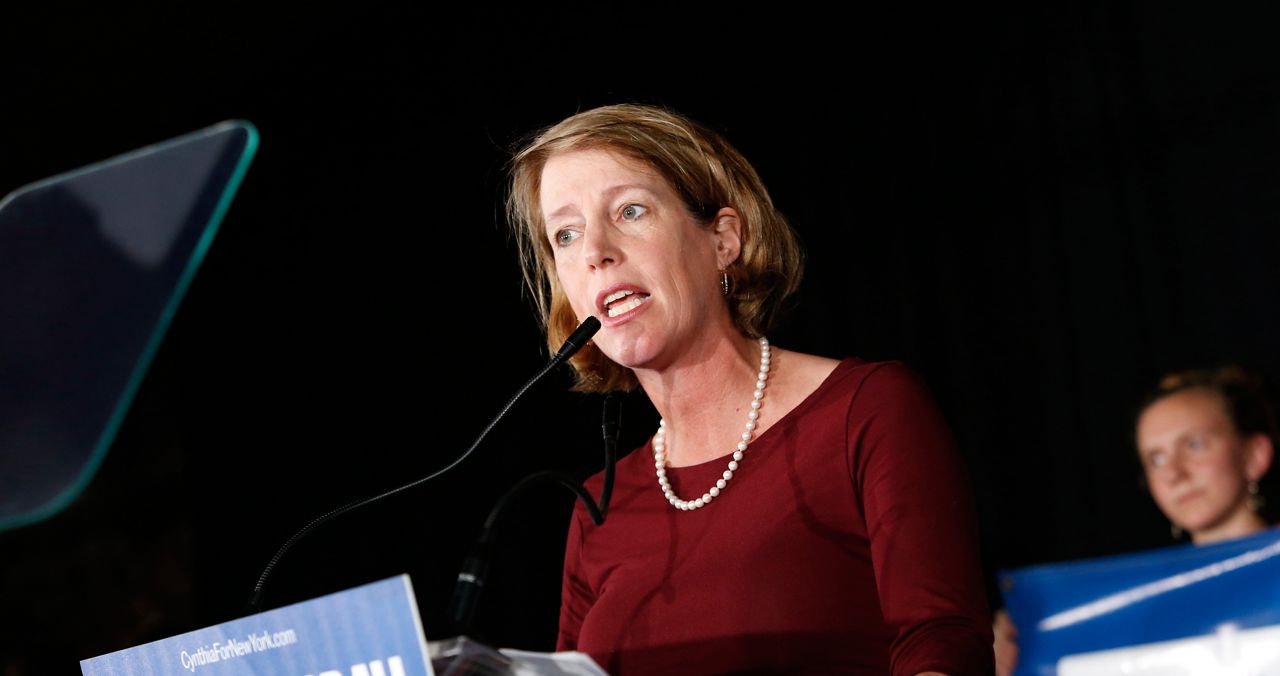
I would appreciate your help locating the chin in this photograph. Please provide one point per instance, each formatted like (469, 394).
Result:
(1197, 522)
(1206, 523)
(647, 349)
(632, 355)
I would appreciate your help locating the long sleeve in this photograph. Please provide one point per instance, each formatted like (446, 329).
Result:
(921, 524)
(575, 597)
(845, 545)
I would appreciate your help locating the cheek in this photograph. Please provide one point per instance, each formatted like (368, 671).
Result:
(1227, 472)
(1159, 489)
(569, 285)
(696, 278)
(1161, 484)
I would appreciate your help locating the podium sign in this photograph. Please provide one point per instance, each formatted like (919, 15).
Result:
(1212, 609)
(373, 630)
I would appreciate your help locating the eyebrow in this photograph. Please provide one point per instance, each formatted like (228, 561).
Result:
(609, 193)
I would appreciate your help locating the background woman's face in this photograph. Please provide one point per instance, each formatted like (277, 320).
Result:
(1195, 460)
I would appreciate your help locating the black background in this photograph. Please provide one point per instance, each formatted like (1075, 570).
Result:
(1040, 209)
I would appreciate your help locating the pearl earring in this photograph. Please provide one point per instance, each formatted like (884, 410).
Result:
(1256, 501)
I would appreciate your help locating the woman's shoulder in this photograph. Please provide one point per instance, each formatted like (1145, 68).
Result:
(805, 372)
(865, 388)
(812, 373)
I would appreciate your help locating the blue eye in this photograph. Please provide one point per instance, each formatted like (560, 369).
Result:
(565, 237)
(1156, 459)
(632, 212)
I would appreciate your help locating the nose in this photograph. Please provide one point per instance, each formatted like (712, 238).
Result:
(1176, 467)
(599, 245)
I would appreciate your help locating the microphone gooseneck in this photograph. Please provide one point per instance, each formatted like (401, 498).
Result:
(475, 569)
(576, 340)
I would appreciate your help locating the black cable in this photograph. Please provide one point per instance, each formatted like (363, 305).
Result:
(475, 569)
(571, 345)
(610, 426)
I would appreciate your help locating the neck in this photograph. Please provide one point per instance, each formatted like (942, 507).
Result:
(704, 396)
(1243, 522)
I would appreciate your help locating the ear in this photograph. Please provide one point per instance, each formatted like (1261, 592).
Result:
(1258, 453)
(727, 230)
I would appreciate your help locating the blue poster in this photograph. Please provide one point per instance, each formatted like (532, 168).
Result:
(373, 630)
(1212, 609)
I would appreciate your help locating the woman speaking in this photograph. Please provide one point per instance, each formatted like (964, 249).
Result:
(791, 513)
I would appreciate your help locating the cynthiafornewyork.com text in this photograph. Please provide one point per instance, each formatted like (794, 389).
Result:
(233, 648)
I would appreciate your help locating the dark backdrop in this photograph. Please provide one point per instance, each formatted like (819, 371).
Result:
(1039, 209)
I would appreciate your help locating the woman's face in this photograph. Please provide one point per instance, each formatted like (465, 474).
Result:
(628, 252)
(1198, 466)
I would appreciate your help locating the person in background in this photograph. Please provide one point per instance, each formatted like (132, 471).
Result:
(1205, 438)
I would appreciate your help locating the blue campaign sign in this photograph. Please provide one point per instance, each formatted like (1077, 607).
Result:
(1208, 604)
(373, 630)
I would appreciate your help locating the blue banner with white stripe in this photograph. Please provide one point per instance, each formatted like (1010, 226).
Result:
(1187, 609)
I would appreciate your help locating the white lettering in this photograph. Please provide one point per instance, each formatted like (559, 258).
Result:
(234, 647)
(374, 668)
(394, 664)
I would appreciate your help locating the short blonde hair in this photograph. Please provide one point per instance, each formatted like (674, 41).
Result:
(704, 170)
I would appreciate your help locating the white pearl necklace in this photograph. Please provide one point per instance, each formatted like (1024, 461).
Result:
(660, 446)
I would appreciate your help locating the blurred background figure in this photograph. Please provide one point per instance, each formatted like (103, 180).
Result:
(1206, 439)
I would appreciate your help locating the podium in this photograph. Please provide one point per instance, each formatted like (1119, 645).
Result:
(371, 630)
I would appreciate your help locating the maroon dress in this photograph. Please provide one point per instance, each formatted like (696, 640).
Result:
(845, 543)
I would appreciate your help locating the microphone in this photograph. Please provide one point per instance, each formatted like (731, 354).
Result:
(577, 339)
(475, 569)
(575, 342)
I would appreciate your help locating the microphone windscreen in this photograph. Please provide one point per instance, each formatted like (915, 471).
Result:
(578, 338)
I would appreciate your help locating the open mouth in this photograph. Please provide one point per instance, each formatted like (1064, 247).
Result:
(623, 301)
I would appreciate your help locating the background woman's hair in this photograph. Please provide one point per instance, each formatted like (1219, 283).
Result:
(704, 170)
(1244, 395)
